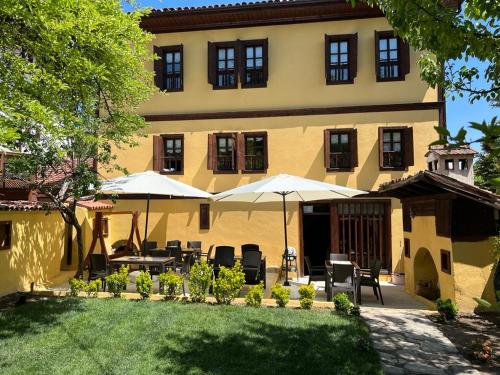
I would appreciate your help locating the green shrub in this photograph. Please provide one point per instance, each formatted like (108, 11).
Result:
(306, 296)
(342, 303)
(355, 310)
(200, 278)
(117, 282)
(76, 286)
(229, 283)
(254, 295)
(171, 284)
(93, 287)
(144, 284)
(280, 294)
(447, 309)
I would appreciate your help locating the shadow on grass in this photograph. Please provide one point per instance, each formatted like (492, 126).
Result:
(35, 316)
(259, 347)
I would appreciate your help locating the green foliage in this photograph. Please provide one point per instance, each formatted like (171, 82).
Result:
(93, 287)
(486, 170)
(76, 286)
(60, 62)
(342, 303)
(355, 310)
(171, 284)
(117, 282)
(447, 309)
(144, 284)
(200, 278)
(306, 296)
(255, 294)
(280, 294)
(229, 283)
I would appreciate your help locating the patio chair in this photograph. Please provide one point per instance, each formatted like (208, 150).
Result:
(196, 246)
(176, 252)
(208, 254)
(248, 246)
(291, 258)
(224, 256)
(146, 246)
(185, 269)
(251, 266)
(316, 273)
(334, 257)
(174, 243)
(342, 279)
(98, 268)
(155, 270)
(372, 279)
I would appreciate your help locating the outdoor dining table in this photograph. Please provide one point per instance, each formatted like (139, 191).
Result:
(161, 262)
(357, 276)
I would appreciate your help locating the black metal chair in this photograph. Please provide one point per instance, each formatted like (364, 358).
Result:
(341, 257)
(372, 279)
(251, 266)
(196, 246)
(316, 273)
(342, 279)
(98, 268)
(174, 243)
(249, 246)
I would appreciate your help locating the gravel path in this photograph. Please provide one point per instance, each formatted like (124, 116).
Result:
(409, 343)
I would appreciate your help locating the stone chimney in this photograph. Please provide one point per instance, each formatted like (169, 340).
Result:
(453, 162)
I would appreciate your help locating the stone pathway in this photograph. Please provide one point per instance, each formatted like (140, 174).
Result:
(409, 343)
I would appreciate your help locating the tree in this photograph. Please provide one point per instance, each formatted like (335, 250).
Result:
(445, 32)
(71, 76)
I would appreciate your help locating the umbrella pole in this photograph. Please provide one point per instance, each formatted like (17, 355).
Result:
(146, 228)
(286, 283)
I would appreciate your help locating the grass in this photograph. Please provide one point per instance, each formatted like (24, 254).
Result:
(99, 336)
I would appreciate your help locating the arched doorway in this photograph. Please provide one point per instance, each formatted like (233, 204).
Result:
(426, 275)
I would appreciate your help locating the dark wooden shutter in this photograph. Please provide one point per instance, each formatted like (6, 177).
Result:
(408, 147)
(381, 147)
(353, 56)
(212, 63)
(327, 148)
(211, 152)
(157, 152)
(377, 54)
(407, 247)
(241, 55)
(443, 218)
(158, 67)
(265, 60)
(204, 216)
(327, 58)
(406, 217)
(240, 151)
(404, 50)
(354, 147)
(266, 151)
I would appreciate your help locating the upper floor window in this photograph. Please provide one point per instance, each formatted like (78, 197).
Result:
(449, 164)
(169, 68)
(227, 66)
(226, 153)
(391, 57)
(462, 164)
(5, 235)
(341, 149)
(168, 153)
(396, 148)
(340, 58)
(255, 155)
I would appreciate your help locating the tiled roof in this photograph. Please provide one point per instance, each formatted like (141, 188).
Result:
(447, 150)
(94, 205)
(229, 5)
(25, 206)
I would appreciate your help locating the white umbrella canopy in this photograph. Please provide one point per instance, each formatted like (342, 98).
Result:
(282, 188)
(150, 183)
(296, 189)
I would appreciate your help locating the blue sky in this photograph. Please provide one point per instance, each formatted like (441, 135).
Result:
(459, 112)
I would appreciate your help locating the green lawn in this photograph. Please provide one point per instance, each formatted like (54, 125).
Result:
(97, 336)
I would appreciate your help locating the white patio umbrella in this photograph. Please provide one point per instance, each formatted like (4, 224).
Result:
(150, 183)
(283, 188)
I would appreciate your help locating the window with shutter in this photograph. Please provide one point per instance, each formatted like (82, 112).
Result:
(223, 150)
(5, 235)
(223, 65)
(443, 218)
(254, 152)
(392, 59)
(407, 248)
(169, 68)
(340, 58)
(446, 261)
(204, 216)
(395, 148)
(341, 148)
(173, 154)
(253, 63)
(406, 217)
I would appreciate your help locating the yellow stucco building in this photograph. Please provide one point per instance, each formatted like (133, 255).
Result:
(315, 89)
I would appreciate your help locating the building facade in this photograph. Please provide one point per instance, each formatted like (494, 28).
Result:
(316, 89)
